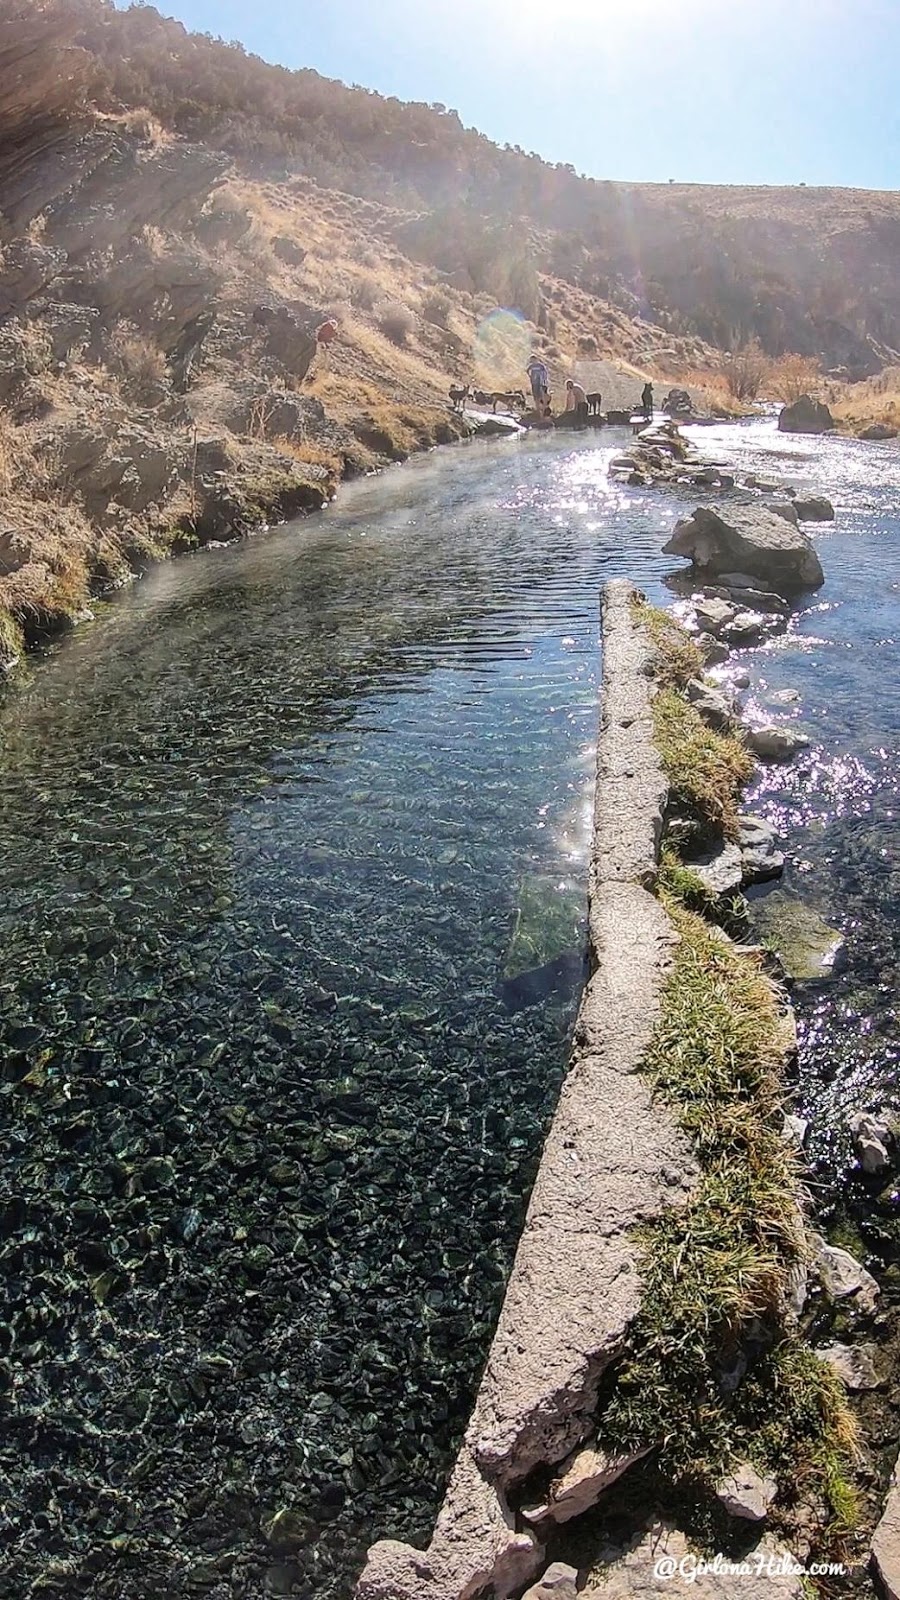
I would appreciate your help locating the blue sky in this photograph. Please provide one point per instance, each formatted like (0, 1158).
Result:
(713, 91)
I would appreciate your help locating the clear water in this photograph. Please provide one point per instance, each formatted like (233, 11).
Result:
(272, 1116)
(839, 806)
(272, 1112)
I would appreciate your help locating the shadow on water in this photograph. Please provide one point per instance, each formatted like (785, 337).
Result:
(268, 827)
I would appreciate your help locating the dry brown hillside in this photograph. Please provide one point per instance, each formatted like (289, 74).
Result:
(177, 217)
(159, 382)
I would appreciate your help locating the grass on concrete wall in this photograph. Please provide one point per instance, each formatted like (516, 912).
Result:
(717, 1371)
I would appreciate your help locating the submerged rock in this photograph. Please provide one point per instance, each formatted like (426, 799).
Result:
(546, 955)
(751, 540)
(807, 947)
(549, 922)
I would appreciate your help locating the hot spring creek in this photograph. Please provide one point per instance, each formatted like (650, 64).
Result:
(292, 897)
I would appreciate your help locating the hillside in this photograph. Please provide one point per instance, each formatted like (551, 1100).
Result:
(177, 217)
(813, 270)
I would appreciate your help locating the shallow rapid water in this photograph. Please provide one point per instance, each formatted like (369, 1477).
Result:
(838, 807)
(274, 1105)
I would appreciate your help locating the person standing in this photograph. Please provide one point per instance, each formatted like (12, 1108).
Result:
(540, 384)
(576, 400)
(647, 401)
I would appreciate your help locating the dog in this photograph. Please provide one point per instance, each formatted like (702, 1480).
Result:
(593, 403)
(482, 399)
(509, 398)
(458, 396)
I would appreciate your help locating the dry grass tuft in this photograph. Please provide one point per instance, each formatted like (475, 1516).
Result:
(396, 322)
(139, 364)
(706, 770)
(678, 658)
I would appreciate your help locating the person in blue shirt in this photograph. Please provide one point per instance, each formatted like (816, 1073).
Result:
(540, 384)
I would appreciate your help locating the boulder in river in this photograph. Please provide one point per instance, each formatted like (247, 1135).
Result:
(814, 508)
(805, 415)
(748, 539)
(714, 614)
(775, 743)
(784, 508)
(879, 430)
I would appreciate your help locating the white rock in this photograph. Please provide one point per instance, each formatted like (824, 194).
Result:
(712, 705)
(585, 1476)
(558, 1583)
(795, 1129)
(872, 1141)
(746, 1493)
(748, 627)
(842, 1276)
(721, 871)
(854, 1364)
(713, 614)
(760, 856)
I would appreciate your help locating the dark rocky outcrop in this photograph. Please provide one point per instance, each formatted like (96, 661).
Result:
(806, 415)
(748, 539)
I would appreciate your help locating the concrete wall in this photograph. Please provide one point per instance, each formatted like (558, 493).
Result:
(613, 1160)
